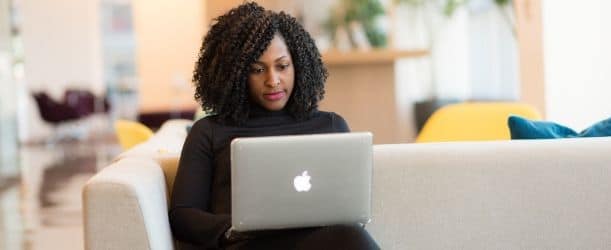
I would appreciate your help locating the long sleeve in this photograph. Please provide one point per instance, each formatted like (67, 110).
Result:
(339, 124)
(189, 217)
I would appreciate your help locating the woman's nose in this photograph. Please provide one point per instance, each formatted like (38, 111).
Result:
(273, 79)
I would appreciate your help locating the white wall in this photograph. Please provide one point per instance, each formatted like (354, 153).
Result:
(168, 37)
(577, 57)
(61, 40)
(492, 52)
(8, 139)
(62, 44)
(474, 52)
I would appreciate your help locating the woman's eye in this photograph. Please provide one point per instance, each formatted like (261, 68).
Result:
(257, 70)
(283, 66)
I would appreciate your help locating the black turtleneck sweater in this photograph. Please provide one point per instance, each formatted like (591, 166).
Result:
(200, 210)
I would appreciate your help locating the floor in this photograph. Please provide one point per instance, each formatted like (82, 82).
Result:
(40, 208)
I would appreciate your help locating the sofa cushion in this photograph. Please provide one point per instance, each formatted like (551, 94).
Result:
(522, 128)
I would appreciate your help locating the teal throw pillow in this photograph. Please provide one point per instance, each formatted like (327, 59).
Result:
(522, 128)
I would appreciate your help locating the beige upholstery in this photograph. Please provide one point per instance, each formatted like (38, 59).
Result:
(125, 207)
(169, 165)
(164, 147)
(530, 194)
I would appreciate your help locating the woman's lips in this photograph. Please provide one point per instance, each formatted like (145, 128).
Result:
(274, 96)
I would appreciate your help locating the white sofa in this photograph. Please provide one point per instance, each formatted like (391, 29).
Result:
(530, 194)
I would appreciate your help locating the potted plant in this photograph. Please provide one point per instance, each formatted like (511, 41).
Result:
(357, 22)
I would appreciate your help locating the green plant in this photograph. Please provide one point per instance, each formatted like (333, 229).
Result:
(363, 11)
(366, 12)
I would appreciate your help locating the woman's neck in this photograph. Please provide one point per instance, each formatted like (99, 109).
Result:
(257, 110)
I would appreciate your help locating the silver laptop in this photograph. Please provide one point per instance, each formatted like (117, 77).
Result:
(301, 181)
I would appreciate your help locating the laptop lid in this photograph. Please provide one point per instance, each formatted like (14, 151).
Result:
(301, 181)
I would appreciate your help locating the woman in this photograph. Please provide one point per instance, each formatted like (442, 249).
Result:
(260, 74)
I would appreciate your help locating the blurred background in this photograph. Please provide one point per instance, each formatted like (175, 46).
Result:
(69, 69)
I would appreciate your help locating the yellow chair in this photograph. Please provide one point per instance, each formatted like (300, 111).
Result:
(473, 121)
(131, 133)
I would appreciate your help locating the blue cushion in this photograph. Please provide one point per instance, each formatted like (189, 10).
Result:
(522, 128)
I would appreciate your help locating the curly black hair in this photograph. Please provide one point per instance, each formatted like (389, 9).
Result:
(238, 39)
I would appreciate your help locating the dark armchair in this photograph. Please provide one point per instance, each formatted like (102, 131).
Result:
(84, 102)
(76, 105)
(52, 111)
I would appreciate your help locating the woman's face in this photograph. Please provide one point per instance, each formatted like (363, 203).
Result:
(272, 76)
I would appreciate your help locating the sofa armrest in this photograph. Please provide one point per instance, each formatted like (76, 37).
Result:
(125, 207)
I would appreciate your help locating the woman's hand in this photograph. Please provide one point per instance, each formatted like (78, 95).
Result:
(233, 236)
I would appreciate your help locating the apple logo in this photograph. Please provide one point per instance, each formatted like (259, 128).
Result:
(302, 182)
